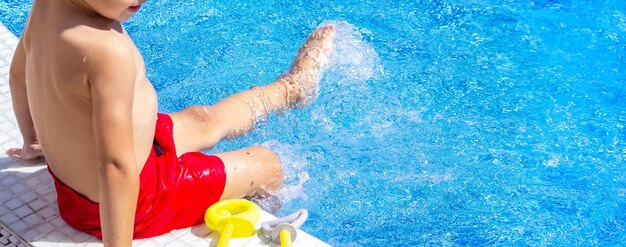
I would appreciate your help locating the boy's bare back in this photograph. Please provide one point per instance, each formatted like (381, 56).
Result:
(78, 68)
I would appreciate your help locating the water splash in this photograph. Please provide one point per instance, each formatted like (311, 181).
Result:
(294, 168)
(288, 193)
(353, 60)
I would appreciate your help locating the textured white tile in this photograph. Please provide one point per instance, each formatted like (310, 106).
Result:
(18, 188)
(6, 53)
(19, 226)
(4, 210)
(202, 242)
(67, 230)
(54, 236)
(188, 238)
(147, 243)
(173, 244)
(5, 122)
(4, 196)
(42, 190)
(32, 182)
(44, 176)
(5, 138)
(23, 211)
(37, 204)
(93, 244)
(13, 204)
(33, 220)
(8, 181)
(50, 197)
(9, 218)
(58, 222)
(92, 238)
(321, 244)
(27, 196)
(45, 228)
(47, 213)
(30, 235)
(160, 240)
(138, 242)
(4, 71)
(26, 171)
(80, 237)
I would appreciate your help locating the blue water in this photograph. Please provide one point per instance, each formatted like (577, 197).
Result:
(475, 122)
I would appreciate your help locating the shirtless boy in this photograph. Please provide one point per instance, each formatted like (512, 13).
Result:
(121, 170)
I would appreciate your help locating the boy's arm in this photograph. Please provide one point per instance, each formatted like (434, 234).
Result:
(17, 83)
(111, 74)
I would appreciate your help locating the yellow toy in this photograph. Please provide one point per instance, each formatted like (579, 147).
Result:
(234, 218)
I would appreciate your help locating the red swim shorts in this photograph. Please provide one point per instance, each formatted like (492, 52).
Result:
(174, 192)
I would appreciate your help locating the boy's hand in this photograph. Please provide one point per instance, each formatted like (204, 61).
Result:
(27, 152)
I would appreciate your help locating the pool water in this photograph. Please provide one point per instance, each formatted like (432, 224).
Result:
(442, 122)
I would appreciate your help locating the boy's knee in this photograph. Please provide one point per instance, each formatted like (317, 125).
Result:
(271, 160)
(204, 121)
(203, 114)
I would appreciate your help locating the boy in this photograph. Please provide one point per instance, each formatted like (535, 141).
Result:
(83, 101)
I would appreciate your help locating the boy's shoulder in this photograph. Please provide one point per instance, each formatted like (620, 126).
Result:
(94, 47)
(96, 42)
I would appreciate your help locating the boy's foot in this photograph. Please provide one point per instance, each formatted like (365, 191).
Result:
(266, 201)
(307, 67)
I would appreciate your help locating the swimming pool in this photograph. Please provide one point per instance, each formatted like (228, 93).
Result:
(473, 123)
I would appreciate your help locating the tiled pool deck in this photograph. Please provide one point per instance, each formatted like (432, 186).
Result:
(28, 209)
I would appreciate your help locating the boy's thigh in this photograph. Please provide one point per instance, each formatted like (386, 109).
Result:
(195, 128)
(250, 170)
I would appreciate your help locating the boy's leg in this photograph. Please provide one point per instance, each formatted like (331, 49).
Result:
(250, 170)
(201, 127)
(253, 169)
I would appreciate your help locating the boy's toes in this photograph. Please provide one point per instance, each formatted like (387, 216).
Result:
(14, 151)
(322, 33)
(327, 35)
(328, 31)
